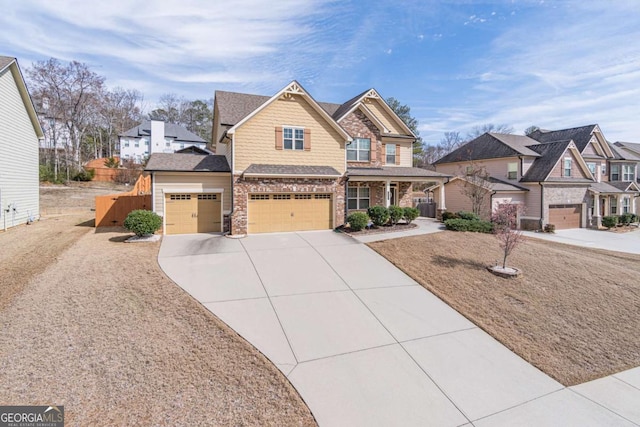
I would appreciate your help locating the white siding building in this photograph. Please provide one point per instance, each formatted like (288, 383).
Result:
(154, 136)
(20, 133)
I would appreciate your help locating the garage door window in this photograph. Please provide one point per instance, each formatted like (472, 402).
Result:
(207, 197)
(180, 197)
(358, 197)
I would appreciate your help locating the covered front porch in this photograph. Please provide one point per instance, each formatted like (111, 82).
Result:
(387, 186)
(611, 199)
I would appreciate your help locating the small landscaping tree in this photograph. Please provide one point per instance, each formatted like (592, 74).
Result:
(505, 220)
(142, 222)
(410, 214)
(395, 214)
(357, 221)
(477, 188)
(379, 215)
(112, 163)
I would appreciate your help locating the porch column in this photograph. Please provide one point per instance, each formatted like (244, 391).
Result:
(632, 201)
(597, 218)
(387, 193)
(441, 204)
(618, 205)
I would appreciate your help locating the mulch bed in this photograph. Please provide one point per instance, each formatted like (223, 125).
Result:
(377, 230)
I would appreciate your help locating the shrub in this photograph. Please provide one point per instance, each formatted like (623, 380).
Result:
(85, 175)
(143, 222)
(395, 214)
(47, 175)
(410, 214)
(449, 215)
(357, 220)
(467, 215)
(112, 163)
(549, 228)
(609, 221)
(477, 226)
(626, 218)
(379, 215)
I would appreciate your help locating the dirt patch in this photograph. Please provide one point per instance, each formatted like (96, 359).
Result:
(573, 313)
(92, 323)
(75, 196)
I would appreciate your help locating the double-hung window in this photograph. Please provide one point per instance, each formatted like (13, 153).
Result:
(137, 143)
(628, 173)
(358, 197)
(625, 205)
(512, 170)
(615, 172)
(292, 138)
(567, 167)
(391, 154)
(592, 168)
(359, 150)
(613, 205)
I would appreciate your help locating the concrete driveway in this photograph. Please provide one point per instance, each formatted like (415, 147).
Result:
(622, 242)
(362, 342)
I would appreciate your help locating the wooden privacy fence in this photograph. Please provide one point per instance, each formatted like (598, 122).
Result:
(111, 210)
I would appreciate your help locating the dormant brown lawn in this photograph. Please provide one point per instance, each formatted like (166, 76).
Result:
(574, 313)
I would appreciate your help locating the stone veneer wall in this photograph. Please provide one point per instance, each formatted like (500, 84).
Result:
(359, 126)
(565, 196)
(242, 187)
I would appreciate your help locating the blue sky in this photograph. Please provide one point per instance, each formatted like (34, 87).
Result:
(457, 64)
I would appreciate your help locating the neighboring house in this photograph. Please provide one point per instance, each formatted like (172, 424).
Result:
(289, 163)
(569, 178)
(630, 149)
(20, 133)
(155, 136)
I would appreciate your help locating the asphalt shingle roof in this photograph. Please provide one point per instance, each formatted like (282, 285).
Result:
(397, 171)
(234, 106)
(499, 185)
(171, 130)
(491, 146)
(258, 169)
(580, 135)
(620, 185)
(5, 60)
(182, 162)
(543, 165)
(620, 154)
(633, 146)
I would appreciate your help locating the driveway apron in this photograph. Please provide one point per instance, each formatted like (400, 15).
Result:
(362, 342)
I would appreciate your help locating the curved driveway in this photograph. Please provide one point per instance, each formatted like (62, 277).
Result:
(362, 342)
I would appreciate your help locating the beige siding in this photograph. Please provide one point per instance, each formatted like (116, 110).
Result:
(19, 182)
(589, 150)
(526, 164)
(190, 182)
(532, 200)
(381, 114)
(576, 170)
(455, 199)
(406, 154)
(254, 141)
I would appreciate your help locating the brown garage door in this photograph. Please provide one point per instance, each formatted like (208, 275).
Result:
(270, 213)
(565, 216)
(193, 213)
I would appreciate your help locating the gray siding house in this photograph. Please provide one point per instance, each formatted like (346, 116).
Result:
(20, 134)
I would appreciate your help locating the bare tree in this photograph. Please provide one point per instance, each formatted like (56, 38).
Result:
(120, 110)
(531, 129)
(477, 188)
(505, 221)
(488, 127)
(196, 116)
(71, 93)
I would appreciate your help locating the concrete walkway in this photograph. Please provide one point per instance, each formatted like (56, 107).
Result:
(599, 239)
(365, 345)
(424, 226)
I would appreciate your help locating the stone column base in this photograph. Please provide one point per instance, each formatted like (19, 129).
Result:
(439, 213)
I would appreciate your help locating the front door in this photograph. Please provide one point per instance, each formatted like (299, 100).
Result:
(393, 197)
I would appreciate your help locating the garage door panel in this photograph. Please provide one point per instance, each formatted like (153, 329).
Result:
(193, 213)
(565, 216)
(268, 213)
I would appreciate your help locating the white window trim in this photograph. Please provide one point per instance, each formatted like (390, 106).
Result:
(387, 154)
(564, 166)
(293, 137)
(617, 173)
(358, 150)
(625, 206)
(509, 171)
(628, 173)
(358, 197)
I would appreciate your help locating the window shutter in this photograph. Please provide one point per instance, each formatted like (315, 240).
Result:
(383, 160)
(397, 154)
(278, 137)
(372, 156)
(307, 140)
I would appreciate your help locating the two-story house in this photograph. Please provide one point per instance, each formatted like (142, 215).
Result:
(20, 133)
(156, 136)
(569, 178)
(288, 163)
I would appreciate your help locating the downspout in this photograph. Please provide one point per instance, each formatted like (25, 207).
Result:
(224, 135)
(346, 200)
(541, 205)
